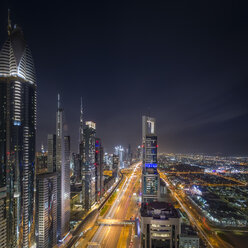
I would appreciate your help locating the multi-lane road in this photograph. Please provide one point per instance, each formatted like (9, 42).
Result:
(124, 207)
(205, 231)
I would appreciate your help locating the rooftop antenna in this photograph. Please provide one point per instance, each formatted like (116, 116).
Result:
(58, 101)
(9, 23)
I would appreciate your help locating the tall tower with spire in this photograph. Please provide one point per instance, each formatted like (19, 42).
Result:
(63, 180)
(17, 136)
(81, 128)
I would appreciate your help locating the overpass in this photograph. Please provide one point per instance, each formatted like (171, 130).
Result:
(115, 222)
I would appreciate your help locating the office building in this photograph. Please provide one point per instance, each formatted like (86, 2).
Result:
(3, 220)
(17, 136)
(160, 225)
(88, 164)
(76, 163)
(41, 162)
(63, 177)
(129, 155)
(188, 237)
(51, 153)
(46, 210)
(150, 176)
(81, 126)
(119, 150)
(67, 141)
(98, 168)
(115, 166)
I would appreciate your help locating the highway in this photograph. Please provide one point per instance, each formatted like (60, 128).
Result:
(124, 207)
(205, 231)
(88, 222)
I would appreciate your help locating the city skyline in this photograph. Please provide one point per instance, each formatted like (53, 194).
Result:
(135, 168)
(200, 104)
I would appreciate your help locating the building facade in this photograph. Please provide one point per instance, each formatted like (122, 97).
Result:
(88, 165)
(3, 219)
(116, 164)
(98, 168)
(46, 210)
(17, 136)
(77, 178)
(63, 177)
(150, 176)
(160, 225)
(51, 153)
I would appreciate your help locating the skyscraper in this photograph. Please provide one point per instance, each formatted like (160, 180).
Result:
(150, 176)
(88, 164)
(51, 152)
(3, 220)
(81, 128)
(76, 161)
(46, 210)
(17, 136)
(115, 166)
(98, 168)
(119, 150)
(160, 221)
(63, 181)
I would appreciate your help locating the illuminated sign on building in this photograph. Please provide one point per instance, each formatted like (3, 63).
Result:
(151, 165)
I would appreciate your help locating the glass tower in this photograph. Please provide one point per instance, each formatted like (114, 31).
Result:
(88, 164)
(63, 173)
(150, 176)
(17, 136)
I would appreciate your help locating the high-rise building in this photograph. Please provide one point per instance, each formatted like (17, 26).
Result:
(119, 150)
(51, 153)
(129, 155)
(139, 153)
(67, 140)
(81, 127)
(63, 180)
(41, 162)
(88, 164)
(76, 161)
(98, 168)
(46, 210)
(115, 166)
(3, 220)
(160, 225)
(17, 136)
(150, 176)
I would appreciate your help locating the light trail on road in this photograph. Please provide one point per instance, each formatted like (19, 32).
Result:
(123, 207)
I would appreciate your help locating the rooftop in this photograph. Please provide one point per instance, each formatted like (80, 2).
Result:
(159, 210)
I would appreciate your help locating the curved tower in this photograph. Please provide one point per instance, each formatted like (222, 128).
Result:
(17, 136)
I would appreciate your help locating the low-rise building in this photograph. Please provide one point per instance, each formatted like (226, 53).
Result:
(188, 238)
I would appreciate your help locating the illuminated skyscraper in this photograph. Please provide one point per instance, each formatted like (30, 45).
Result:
(88, 164)
(51, 153)
(81, 128)
(3, 220)
(119, 150)
(63, 181)
(46, 210)
(99, 168)
(116, 164)
(17, 136)
(150, 176)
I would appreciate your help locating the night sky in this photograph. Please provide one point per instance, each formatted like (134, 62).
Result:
(183, 62)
